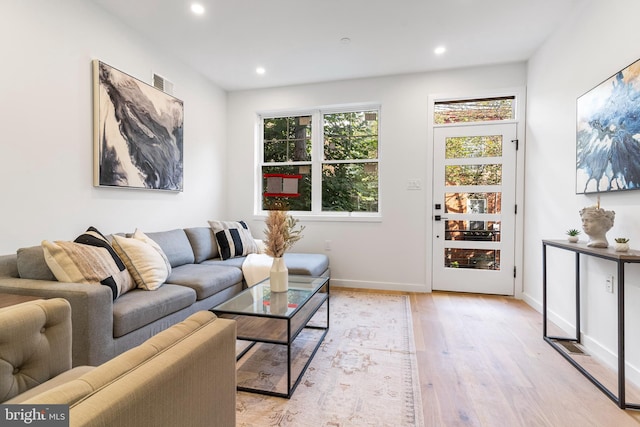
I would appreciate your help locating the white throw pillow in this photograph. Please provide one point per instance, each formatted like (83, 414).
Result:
(141, 236)
(144, 262)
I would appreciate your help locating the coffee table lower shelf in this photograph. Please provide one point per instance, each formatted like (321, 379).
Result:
(251, 361)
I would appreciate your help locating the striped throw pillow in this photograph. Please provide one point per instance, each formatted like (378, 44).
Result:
(234, 239)
(89, 259)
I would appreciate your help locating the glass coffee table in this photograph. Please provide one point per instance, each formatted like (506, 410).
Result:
(278, 332)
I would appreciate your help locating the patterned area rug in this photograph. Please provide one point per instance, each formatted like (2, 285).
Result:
(364, 373)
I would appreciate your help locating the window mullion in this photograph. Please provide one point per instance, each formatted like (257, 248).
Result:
(317, 136)
(260, 163)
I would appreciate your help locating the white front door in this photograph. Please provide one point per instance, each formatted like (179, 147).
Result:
(474, 189)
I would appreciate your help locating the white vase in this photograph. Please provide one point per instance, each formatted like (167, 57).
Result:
(279, 276)
(573, 239)
(622, 247)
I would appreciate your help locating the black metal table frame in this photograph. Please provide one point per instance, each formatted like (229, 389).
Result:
(291, 336)
(620, 260)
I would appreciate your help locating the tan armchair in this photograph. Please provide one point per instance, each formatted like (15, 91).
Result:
(35, 345)
(184, 375)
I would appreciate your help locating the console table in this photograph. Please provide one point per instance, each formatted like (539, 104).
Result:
(621, 259)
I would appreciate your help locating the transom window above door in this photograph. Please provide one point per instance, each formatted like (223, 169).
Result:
(474, 110)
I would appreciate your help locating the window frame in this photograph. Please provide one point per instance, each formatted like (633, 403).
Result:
(317, 161)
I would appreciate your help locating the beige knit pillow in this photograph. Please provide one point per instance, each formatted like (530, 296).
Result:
(79, 263)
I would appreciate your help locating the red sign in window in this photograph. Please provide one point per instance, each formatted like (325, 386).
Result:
(282, 185)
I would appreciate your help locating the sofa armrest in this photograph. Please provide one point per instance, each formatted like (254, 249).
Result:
(8, 266)
(185, 374)
(36, 344)
(91, 314)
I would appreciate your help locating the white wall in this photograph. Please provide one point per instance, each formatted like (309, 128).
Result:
(46, 151)
(391, 254)
(599, 41)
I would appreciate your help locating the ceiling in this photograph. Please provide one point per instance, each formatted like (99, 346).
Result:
(302, 41)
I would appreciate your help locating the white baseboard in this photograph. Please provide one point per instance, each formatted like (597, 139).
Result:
(610, 359)
(533, 303)
(592, 346)
(379, 286)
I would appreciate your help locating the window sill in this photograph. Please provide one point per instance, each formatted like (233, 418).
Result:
(335, 217)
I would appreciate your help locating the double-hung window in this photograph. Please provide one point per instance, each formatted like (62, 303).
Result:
(320, 162)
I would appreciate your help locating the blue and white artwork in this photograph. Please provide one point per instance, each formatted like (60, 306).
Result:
(608, 134)
(138, 133)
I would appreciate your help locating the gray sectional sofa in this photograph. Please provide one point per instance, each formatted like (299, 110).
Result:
(104, 328)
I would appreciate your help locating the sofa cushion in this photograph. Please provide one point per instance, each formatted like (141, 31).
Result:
(231, 262)
(203, 243)
(234, 238)
(32, 265)
(144, 259)
(84, 263)
(306, 264)
(63, 378)
(139, 308)
(205, 279)
(175, 245)
(297, 263)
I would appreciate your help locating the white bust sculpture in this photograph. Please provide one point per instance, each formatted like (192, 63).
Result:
(595, 223)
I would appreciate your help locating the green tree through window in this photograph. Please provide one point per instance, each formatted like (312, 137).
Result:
(345, 163)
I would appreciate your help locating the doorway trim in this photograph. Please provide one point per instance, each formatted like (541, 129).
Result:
(520, 108)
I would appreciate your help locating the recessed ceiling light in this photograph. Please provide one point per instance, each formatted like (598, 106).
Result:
(260, 70)
(197, 8)
(440, 50)
(345, 40)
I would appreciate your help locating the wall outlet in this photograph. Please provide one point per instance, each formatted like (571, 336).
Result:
(609, 284)
(327, 245)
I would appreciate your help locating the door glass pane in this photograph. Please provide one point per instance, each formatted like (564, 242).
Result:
(490, 174)
(480, 259)
(478, 231)
(465, 147)
(472, 203)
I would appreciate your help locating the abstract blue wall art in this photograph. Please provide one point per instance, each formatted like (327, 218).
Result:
(608, 134)
(138, 133)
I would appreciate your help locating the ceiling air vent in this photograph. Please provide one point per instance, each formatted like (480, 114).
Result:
(163, 84)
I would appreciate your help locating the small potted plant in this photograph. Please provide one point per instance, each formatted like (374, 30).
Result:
(573, 235)
(622, 244)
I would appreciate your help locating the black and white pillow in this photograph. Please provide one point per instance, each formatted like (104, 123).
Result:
(88, 259)
(234, 239)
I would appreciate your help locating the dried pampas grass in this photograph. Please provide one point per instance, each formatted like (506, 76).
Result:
(281, 232)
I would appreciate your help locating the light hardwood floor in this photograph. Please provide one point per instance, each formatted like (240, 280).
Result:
(483, 362)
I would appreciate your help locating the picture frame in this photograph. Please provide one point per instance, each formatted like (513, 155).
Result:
(138, 133)
(608, 134)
